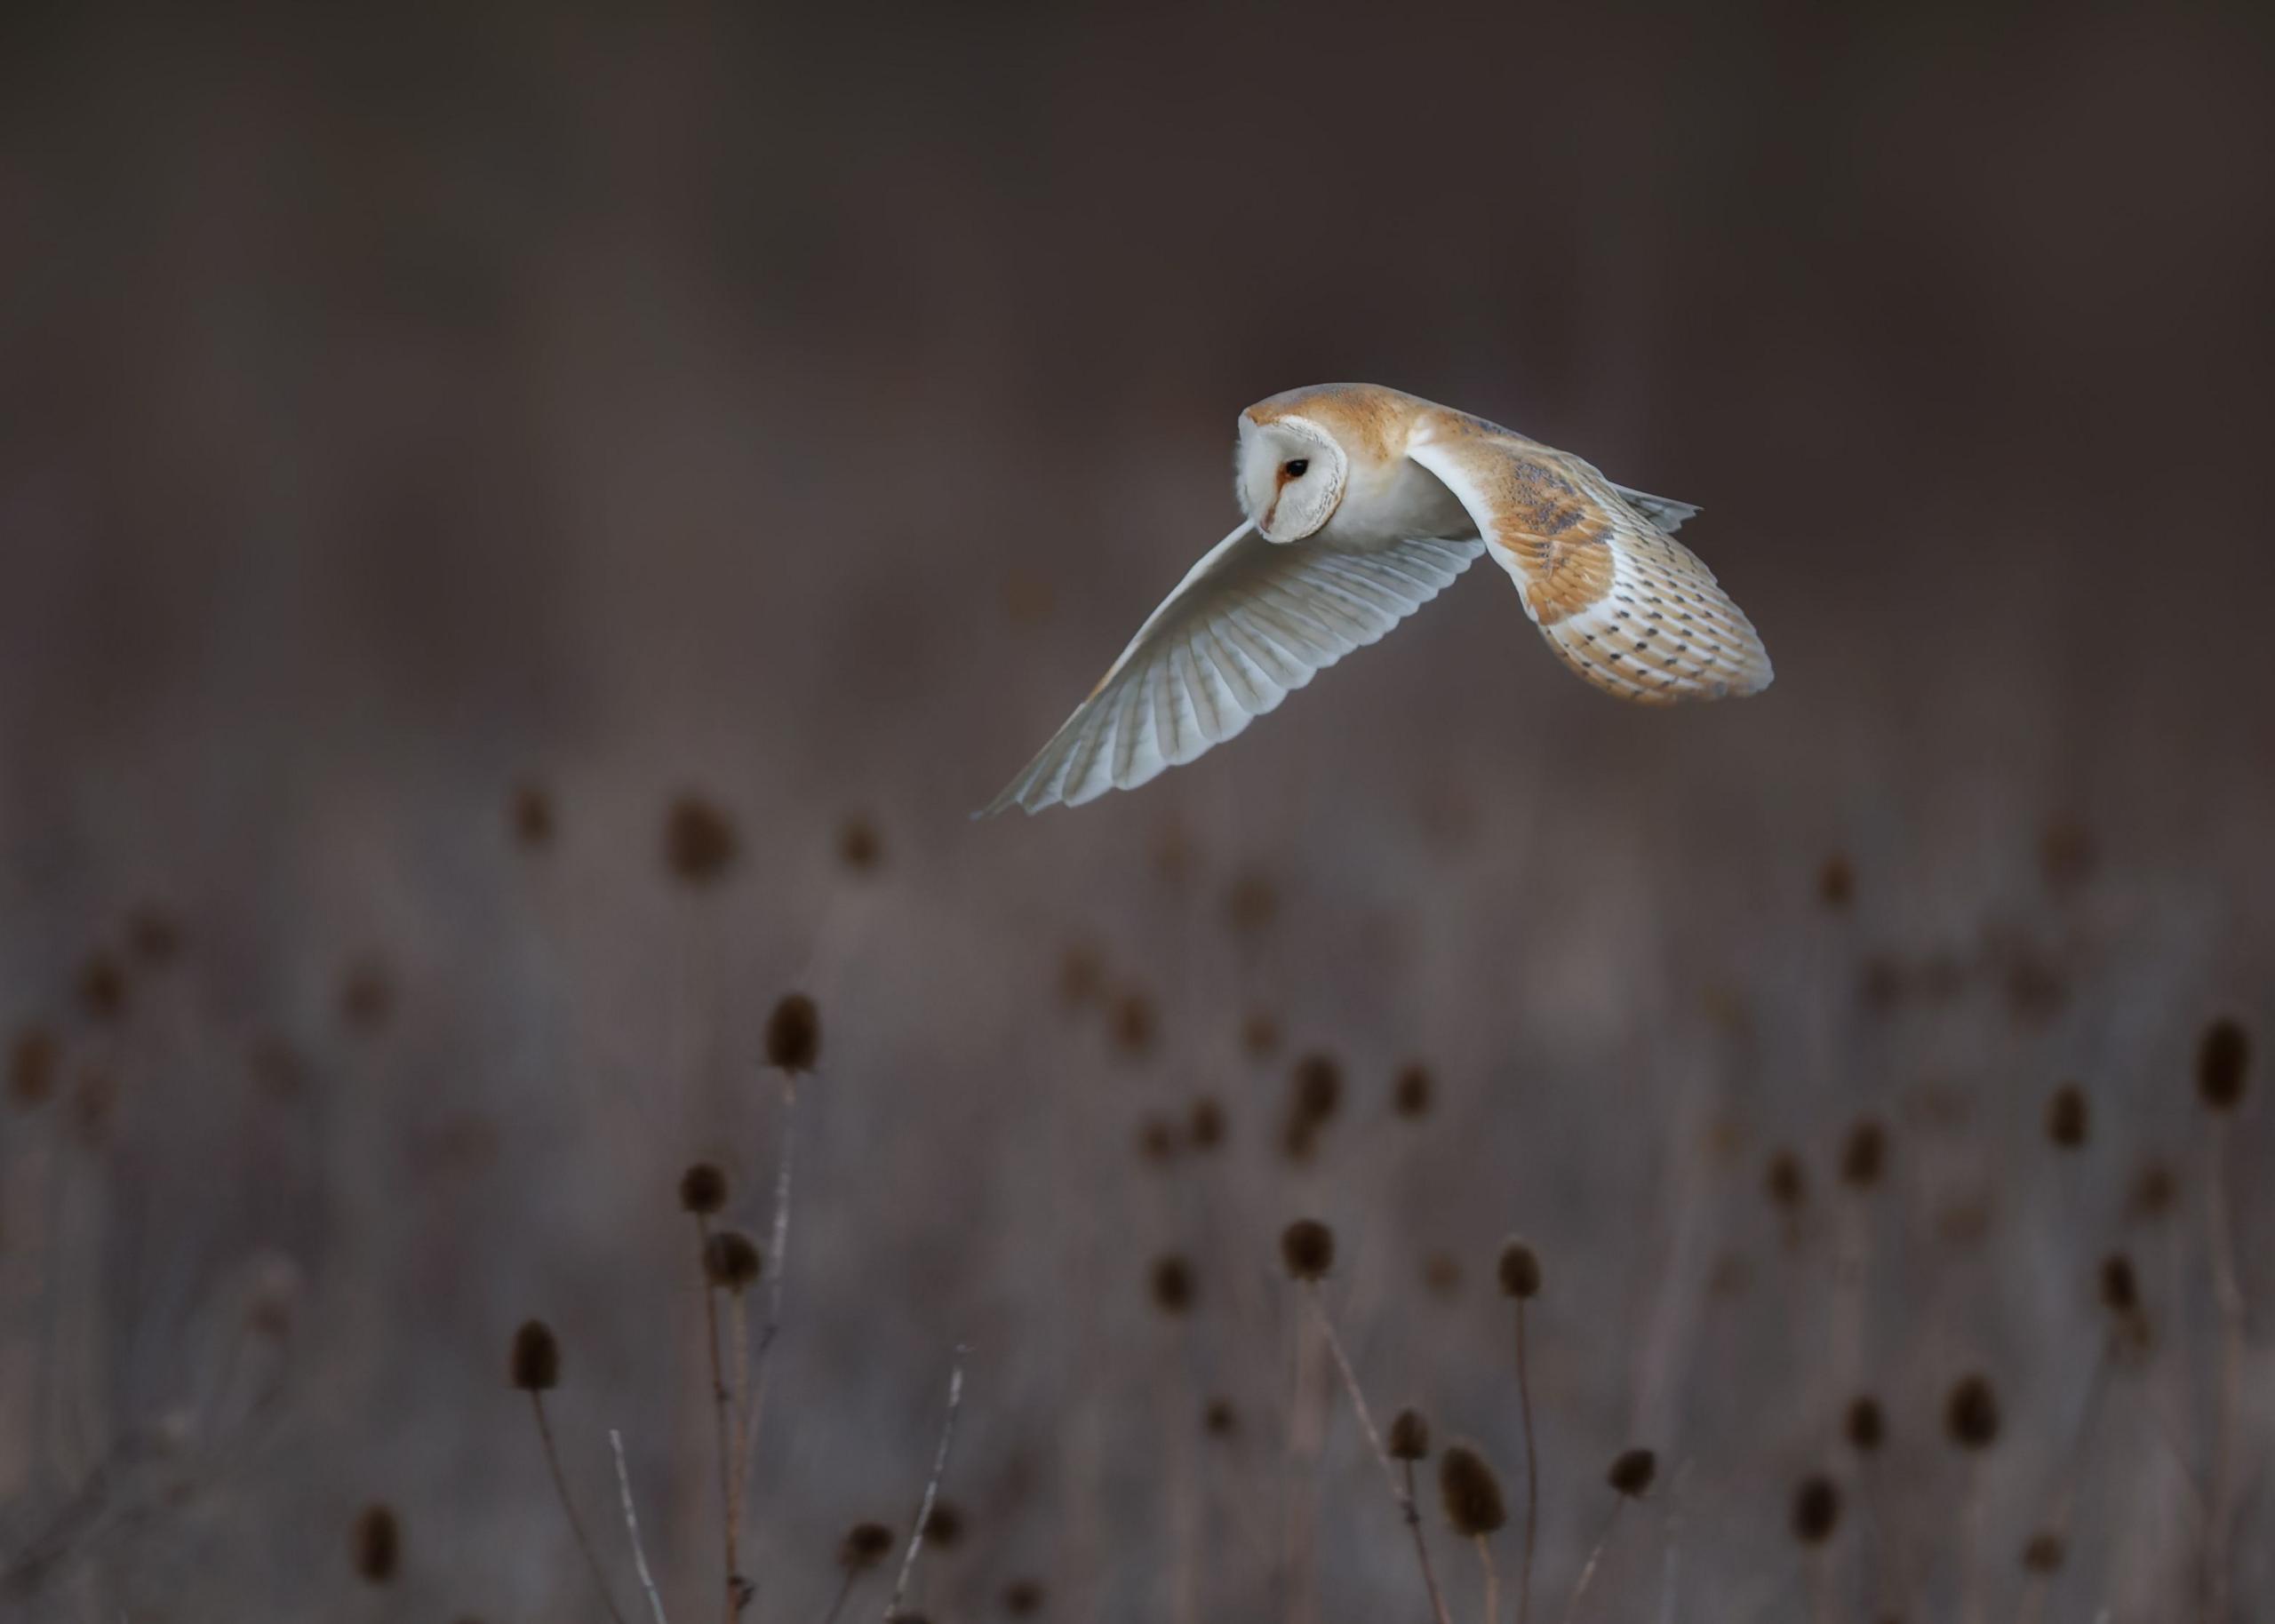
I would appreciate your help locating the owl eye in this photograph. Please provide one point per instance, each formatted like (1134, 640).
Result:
(1295, 470)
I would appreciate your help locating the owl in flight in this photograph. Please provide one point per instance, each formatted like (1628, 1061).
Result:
(1361, 504)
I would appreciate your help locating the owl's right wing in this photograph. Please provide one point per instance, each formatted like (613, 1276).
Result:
(1248, 624)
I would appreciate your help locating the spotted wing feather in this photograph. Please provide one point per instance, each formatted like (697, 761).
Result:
(1626, 606)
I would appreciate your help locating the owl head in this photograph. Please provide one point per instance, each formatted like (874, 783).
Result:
(1289, 475)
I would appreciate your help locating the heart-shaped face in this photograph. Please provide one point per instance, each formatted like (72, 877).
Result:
(1290, 476)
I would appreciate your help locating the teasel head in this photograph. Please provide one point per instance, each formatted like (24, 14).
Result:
(1519, 1271)
(1632, 1473)
(1409, 1435)
(2223, 1060)
(2068, 1117)
(863, 1546)
(731, 1261)
(1471, 1492)
(1412, 1091)
(701, 844)
(702, 1190)
(793, 1034)
(1170, 1281)
(375, 1544)
(535, 1365)
(1307, 1249)
(1971, 1413)
(529, 817)
(1864, 1155)
(1817, 1509)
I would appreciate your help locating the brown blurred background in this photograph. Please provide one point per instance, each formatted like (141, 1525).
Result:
(796, 409)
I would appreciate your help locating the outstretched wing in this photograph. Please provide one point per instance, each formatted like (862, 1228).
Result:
(1249, 624)
(1628, 607)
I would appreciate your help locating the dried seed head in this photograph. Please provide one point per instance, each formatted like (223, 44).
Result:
(1971, 1413)
(1817, 1509)
(1441, 1275)
(793, 1034)
(863, 1546)
(1132, 1023)
(859, 848)
(1470, 1492)
(1410, 1092)
(731, 1261)
(1308, 1248)
(702, 1189)
(1409, 1435)
(2044, 1551)
(1316, 1087)
(2068, 1119)
(1786, 1181)
(1259, 1036)
(945, 1527)
(102, 986)
(154, 935)
(375, 1545)
(1022, 1597)
(2066, 853)
(1157, 1140)
(1219, 1419)
(1631, 1473)
(700, 840)
(1204, 1123)
(1082, 976)
(1175, 854)
(1171, 1283)
(1865, 1426)
(2120, 1291)
(94, 1101)
(1519, 1271)
(535, 1365)
(367, 997)
(32, 1063)
(1251, 904)
(529, 817)
(2222, 1060)
(1836, 884)
(1863, 1154)
(2155, 1188)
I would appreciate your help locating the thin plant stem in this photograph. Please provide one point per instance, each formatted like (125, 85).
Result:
(2228, 1291)
(932, 1486)
(2066, 1496)
(729, 1509)
(1492, 1578)
(569, 1507)
(779, 1241)
(1402, 1489)
(1595, 1557)
(1422, 1551)
(1970, 1540)
(1532, 1473)
(632, 1527)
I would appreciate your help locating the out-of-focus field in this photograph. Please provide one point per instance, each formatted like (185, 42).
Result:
(411, 425)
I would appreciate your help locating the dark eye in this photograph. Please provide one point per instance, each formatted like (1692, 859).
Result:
(1295, 470)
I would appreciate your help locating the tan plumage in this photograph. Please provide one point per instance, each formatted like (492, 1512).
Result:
(1362, 504)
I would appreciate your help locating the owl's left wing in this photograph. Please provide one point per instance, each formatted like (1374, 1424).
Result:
(1625, 604)
(1248, 624)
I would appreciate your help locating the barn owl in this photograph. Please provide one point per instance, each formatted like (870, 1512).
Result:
(1361, 504)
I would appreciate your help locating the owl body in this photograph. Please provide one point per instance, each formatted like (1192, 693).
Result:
(1361, 504)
